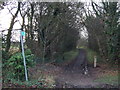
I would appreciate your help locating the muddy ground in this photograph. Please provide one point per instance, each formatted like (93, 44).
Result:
(74, 78)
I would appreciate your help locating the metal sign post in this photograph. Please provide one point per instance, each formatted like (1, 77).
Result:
(22, 33)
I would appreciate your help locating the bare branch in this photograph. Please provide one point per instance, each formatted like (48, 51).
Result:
(10, 11)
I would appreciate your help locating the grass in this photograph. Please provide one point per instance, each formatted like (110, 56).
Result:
(108, 79)
(91, 54)
(68, 56)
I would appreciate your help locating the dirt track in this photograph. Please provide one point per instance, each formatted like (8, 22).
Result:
(68, 79)
(75, 78)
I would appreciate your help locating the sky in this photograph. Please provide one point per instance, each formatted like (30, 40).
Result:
(5, 19)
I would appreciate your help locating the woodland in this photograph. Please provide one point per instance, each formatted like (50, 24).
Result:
(66, 45)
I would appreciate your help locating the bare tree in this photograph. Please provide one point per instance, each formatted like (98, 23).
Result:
(8, 42)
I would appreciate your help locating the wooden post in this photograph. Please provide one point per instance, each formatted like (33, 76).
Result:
(95, 61)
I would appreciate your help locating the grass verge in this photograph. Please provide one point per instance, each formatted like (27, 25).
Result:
(108, 79)
(68, 56)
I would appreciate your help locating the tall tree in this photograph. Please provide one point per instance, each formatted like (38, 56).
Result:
(110, 13)
(8, 40)
(55, 24)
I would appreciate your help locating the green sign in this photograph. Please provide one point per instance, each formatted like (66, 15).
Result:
(22, 33)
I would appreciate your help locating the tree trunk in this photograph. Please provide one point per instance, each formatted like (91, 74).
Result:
(8, 42)
(31, 20)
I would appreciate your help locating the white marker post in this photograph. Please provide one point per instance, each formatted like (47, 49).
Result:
(95, 61)
(22, 33)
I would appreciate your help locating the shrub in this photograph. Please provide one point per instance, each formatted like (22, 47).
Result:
(15, 65)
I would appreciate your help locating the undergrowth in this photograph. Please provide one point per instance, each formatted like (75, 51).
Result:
(108, 79)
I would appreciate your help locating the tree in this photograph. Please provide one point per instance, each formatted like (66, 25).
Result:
(54, 25)
(95, 28)
(8, 42)
(112, 30)
(109, 12)
(1, 5)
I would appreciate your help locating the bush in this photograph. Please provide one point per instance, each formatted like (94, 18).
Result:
(15, 65)
(5, 55)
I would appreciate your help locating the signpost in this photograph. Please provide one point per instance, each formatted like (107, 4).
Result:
(22, 34)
